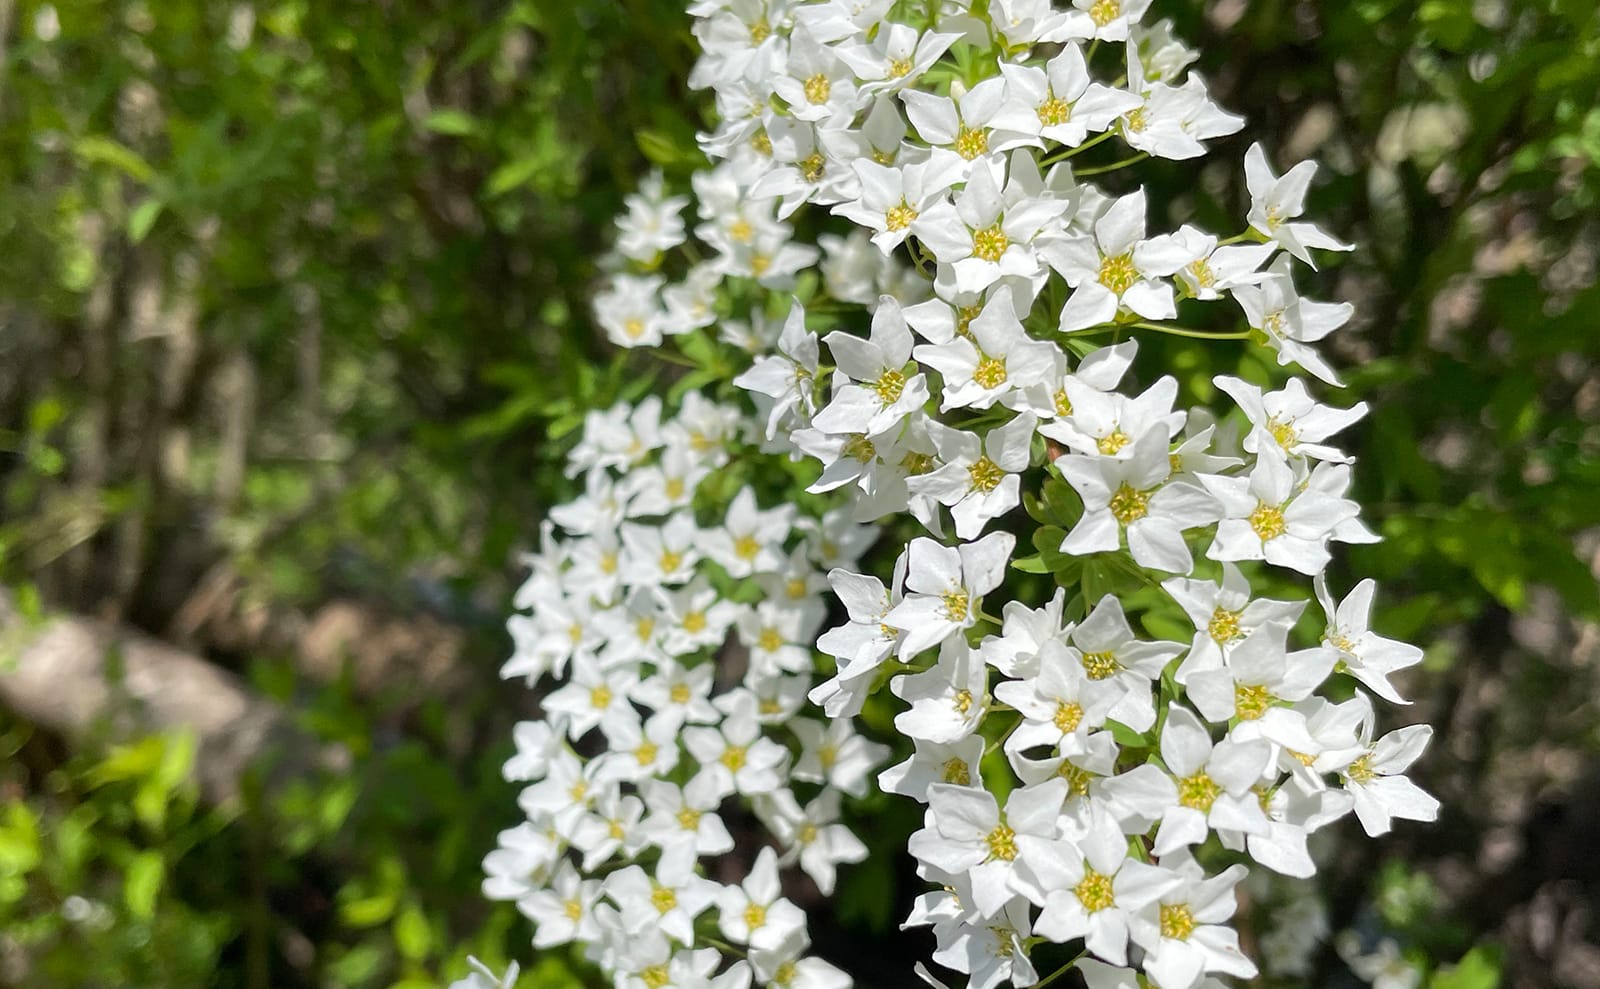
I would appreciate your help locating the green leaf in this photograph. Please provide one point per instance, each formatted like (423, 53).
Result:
(513, 174)
(1477, 969)
(142, 883)
(105, 151)
(412, 935)
(456, 123)
(659, 148)
(144, 217)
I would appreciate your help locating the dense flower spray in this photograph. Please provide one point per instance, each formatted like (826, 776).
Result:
(1100, 767)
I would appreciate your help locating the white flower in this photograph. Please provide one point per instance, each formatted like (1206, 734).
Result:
(944, 586)
(788, 380)
(876, 394)
(1223, 615)
(1115, 269)
(892, 199)
(978, 478)
(565, 911)
(1274, 201)
(483, 978)
(687, 815)
(1266, 516)
(736, 757)
(1060, 706)
(835, 756)
(669, 899)
(1089, 887)
(1380, 790)
(813, 836)
(992, 361)
(1110, 651)
(1133, 498)
(1385, 968)
(1258, 674)
(1184, 933)
(986, 234)
(1059, 102)
(1291, 324)
(1212, 782)
(947, 701)
(1290, 418)
(965, 832)
(1105, 20)
(954, 763)
(755, 912)
(1363, 653)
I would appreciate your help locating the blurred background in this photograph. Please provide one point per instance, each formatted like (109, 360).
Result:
(293, 338)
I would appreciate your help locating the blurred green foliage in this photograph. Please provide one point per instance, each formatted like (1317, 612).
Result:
(298, 291)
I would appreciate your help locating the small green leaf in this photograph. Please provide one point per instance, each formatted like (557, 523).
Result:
(513, 174)
(144, 217)
(456, 123)
(142, 884)
(412, 935)
(105, 151)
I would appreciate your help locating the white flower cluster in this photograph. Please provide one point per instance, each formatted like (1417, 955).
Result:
(1123, 754)
(1088, 777)
(683, 653)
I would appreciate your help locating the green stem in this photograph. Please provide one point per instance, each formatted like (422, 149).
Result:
(1058, 973)
(1141, 156)
(1070, 152)
(1179, 331)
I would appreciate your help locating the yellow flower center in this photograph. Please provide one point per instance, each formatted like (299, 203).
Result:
(608, 563)
(784, 975)
(1118, 273)
(644, 627)
(1177, 921)
(1224, 626)
(674, 488)
(990, 372)
(1112, 443)
(1361, 770)
(818, 87)
(600, 697)
(646, 753)
(760, 31)
(1202, 274)
(899, 217)
(956, 771)
(1198, 792)
(573, 909)
(811, 167)
(733, 757)
(962, 701)
(741, 231)
(663, 899)
(859, 447)
(1128, 505)
(615, 830)
(689, 819)
(1103, 12)
(655, 977)
(915, 463)
(796, 587)
(984, 475)
(1100, 665)
(808, 833)
(899, 68)
(1135, 121)
(1068, 717)
(755, 915)
(1077, 778)
(1251, 701)
(1283, 432)
(1063, 403)
(770, 639)
(746, 547)
(990, 244)
(827, 756)
(970, 142)
(578, 791)
(1095, 892)
(694, 622)
(670, 561)
(679, 693)
(891, 384)
(1267, 521)
(964, 317)
(957, 604)
(633, 327)
(1002, 843)
(1054, 111)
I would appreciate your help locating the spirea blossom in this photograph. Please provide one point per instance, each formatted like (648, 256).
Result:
(941, 374)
